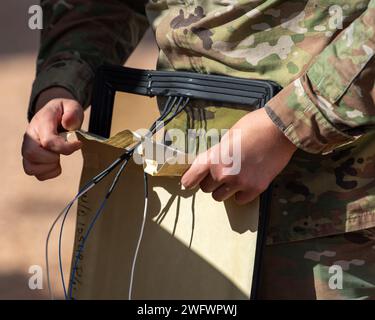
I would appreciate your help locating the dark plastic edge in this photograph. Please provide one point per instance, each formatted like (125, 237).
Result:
(110, 79)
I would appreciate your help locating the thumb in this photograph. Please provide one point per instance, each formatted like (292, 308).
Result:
(72, 116)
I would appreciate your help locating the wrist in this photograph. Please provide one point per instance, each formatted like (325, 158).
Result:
(281, 138)
(52, 93)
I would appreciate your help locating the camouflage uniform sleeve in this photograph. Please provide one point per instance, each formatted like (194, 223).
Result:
(79, 36)
(332, 103)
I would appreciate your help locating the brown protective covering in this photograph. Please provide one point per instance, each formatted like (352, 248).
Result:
(193, 247)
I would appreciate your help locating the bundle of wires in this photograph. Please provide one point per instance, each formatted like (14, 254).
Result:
(173, 106)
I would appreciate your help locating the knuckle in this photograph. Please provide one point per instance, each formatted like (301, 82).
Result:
(219, 176)
(47, 143)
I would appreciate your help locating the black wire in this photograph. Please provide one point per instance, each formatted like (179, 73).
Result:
(124, 157)
(92, 223)
(66, 210)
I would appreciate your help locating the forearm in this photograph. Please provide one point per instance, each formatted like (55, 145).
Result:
(79, 36)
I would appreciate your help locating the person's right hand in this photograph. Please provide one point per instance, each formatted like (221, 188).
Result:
(42, 144)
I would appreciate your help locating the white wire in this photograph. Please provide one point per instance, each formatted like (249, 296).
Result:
(100, 177)
(47, 246)
(145, 211)
(46, 254)
(137, 248)
(79, 195)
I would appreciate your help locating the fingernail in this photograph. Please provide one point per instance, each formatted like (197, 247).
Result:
(71, 137)
(187, 187)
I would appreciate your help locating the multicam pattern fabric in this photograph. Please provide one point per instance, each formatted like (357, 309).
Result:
(320, 51)
(338, 267)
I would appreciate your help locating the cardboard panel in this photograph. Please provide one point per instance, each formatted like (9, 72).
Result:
(193, 247)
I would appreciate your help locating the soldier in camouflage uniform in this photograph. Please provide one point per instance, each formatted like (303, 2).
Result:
(321, 238)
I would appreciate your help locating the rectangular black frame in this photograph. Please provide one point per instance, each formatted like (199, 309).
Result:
(216, 88)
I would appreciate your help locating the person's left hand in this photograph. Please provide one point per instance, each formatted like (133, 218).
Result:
(265, 151)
